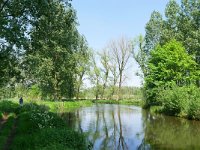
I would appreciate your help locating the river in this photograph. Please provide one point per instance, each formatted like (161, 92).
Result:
(113, 127)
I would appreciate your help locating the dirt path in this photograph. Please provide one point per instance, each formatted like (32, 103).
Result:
(11, 136)
(2, 122)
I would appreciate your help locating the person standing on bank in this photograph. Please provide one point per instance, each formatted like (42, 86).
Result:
(21, 101)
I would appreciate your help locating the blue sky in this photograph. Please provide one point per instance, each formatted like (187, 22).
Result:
(103, 20)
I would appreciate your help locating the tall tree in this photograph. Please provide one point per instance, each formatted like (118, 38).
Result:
(121, 52)
(140, 55)
(114, 76)
(153, 31)
(82, 57)
(52, 50)
(181, 23)
(105, 61)
(95, 77)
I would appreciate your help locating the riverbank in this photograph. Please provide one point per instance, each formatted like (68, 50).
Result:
(37, 126)
(123, 102)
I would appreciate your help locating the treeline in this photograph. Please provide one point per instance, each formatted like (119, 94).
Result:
(40, 47)
(43, 56)
(133, 93)
(169, 57)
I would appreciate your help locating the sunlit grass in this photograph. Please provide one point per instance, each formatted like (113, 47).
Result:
(124, 102)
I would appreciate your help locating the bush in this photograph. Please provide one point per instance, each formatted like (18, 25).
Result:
(175, 100)
(194, 106)
(66, 137)
(181, 101)
(8, 106)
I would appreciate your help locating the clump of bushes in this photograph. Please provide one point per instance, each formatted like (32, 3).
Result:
(43, 128)
(181, 101)
(38, 128)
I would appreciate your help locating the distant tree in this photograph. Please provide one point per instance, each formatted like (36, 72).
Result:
(121, 52)
(83, 57)
(105, 61)
(95, 76)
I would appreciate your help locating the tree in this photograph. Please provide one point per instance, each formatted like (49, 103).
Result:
(12, 39)
(169, 64)
(82, 57)
(114, 77)
(38, 36)
(95, 77)
(181, 23)
(105, 61)
(153, 31)
(140, 55)
(121, 52)
(51, 56)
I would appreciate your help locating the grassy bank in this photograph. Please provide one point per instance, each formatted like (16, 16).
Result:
(124, 102)
(66, 105)
(57, 106)
(35, 126)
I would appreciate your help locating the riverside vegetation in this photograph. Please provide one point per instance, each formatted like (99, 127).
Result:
(44, 57)
(169, 59)
(34, 126)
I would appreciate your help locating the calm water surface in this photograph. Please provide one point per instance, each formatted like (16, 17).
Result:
(113, 127)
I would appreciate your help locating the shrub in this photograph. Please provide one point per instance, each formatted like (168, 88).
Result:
(8, 106)
(194, 106)
(181, 101)
(68, 138)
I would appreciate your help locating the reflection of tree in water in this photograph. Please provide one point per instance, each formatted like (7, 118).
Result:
(111, 125)
(121, 144)
(79, 121)
(70, 118)
(165, 132)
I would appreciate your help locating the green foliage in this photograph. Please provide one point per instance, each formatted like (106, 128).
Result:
(153, 31)
(181, 23)
(52, 60)
(181, 101)
(122, 101)
(66, 137)
(175, 100)
(194, 105)
(169, 64)
(8, 106)
(65, 106)
(173, 66)
(37, 128)
(5, 131)
(40, 44)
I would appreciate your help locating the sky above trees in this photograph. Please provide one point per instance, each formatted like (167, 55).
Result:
(103, 20)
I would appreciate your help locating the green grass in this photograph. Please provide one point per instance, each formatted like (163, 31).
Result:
(39, 128)
(124, 102)
(65, 106)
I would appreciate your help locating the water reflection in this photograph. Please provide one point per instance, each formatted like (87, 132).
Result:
(165, 132)
(119, 127)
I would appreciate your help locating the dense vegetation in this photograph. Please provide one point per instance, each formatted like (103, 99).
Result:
(170, 60)
(35, 126)
(43, 56)
(40, 47)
